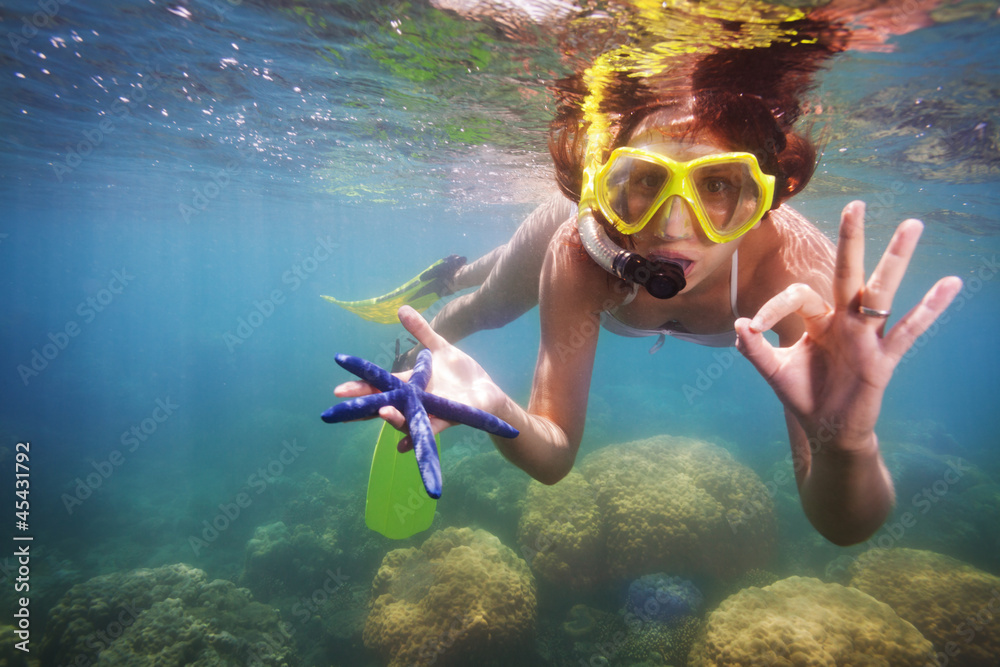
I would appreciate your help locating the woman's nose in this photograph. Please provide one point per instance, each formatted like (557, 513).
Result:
(674, 220)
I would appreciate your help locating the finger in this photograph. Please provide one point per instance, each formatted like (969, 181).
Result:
(757, 349)
(902, 336)
(849, 271)
(406, 444)
(394, 417)
(796, 298)
(353, 389)
(885, 279)
(415, 323)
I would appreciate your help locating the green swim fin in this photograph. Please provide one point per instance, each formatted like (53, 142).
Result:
(397, 505)
(421, 292)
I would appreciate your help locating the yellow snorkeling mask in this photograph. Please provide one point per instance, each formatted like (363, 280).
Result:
(727, 192)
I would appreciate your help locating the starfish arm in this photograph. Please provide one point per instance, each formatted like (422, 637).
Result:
(415, 404)
(468, 415)
(424, 445)
(360, 407)
(421, 370)
(377, 377)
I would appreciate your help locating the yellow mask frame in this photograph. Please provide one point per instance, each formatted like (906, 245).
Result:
(706, 183)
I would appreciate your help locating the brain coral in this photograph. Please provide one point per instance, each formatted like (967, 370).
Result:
(955, 605)
(804, 622)
(665, 504)
(561, 532)
(461, 596)
(170, 615)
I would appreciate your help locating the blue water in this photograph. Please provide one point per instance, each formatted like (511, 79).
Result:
(181, 181)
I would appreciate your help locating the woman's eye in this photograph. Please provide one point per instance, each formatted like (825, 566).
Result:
(649, 180)
(719, 185)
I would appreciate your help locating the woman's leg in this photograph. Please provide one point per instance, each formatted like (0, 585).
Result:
(510, 287)
(475, 274)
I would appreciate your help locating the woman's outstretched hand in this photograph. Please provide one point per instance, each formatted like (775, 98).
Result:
(455, 376)
(835, 375)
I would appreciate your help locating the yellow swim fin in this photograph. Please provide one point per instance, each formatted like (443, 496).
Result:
(421, 292)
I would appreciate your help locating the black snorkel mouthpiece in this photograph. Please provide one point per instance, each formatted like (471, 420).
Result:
(662, 279)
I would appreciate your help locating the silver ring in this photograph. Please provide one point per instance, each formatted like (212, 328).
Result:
(873, 312)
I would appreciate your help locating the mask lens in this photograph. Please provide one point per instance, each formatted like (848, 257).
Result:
(728, 194)
(631, 186)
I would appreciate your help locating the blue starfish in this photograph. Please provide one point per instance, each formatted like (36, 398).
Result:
(411, 399)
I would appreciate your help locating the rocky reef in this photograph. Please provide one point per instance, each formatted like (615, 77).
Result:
(665, 504)
(171, 615)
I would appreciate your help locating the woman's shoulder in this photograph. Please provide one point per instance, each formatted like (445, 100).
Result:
(798, 252)
(796, 229)
(571, 274)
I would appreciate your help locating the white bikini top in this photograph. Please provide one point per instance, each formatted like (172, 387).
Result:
(724, 339)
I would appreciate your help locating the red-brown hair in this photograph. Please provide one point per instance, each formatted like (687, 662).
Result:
(746, 99)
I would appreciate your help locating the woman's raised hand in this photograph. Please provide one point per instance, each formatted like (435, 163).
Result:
(834, 377)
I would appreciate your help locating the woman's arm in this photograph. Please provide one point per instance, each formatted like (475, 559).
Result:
(832, 379)
(572, 293)
(846, 492)
(860, 483)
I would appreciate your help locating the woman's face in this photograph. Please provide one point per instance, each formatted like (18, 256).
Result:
(674, 232)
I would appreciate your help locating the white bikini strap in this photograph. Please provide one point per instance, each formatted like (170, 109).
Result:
(734, 273)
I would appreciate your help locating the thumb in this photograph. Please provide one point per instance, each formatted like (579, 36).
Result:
(757, 349)
(420, 329)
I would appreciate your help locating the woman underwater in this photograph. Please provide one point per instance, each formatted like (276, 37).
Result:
(682, 229)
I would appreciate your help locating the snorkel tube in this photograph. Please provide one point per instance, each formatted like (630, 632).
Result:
(662, 279)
